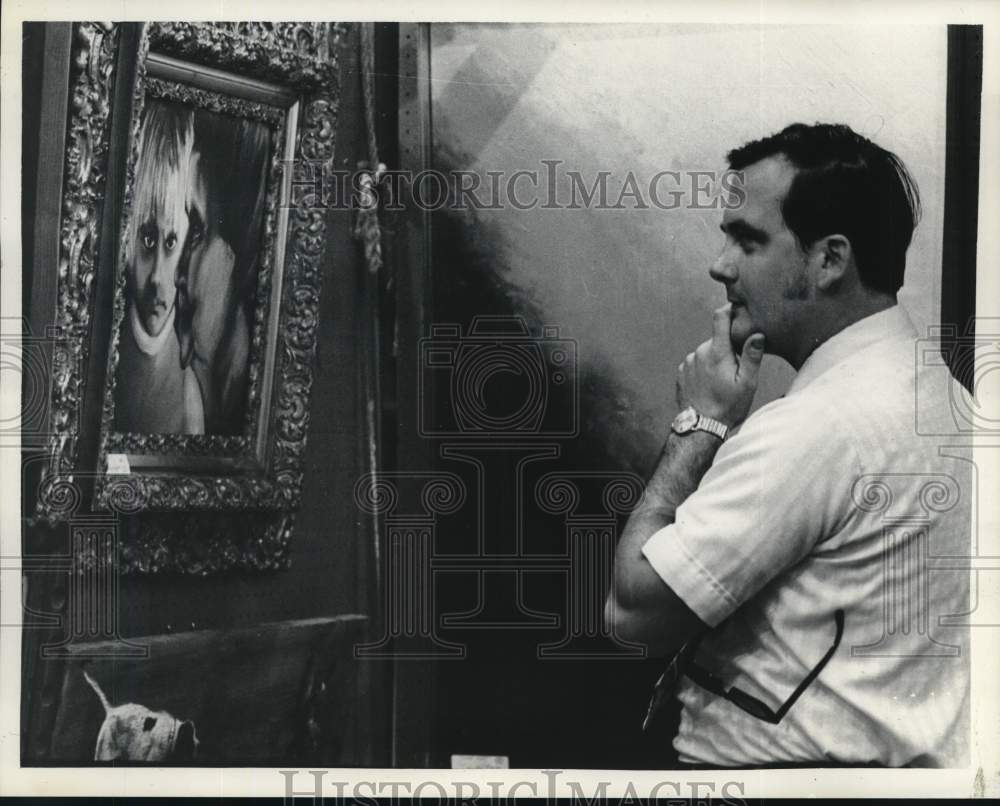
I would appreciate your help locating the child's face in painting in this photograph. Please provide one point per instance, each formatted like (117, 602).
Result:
(157, 252)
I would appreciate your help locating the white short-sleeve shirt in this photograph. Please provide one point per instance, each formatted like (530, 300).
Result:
(828, 499)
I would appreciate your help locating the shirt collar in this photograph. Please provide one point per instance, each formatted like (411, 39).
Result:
(892, 323)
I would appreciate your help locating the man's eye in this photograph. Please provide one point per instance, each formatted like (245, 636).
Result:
(170, 241)
(148, 242)
(746, 246)
(196, 233)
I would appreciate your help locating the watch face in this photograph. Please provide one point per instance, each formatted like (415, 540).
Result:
(685, 421)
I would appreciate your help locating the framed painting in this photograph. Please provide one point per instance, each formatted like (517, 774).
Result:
(204, 398)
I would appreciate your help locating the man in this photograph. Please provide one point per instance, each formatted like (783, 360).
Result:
(787, 560)
(154, 394)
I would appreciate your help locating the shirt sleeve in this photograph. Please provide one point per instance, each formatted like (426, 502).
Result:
(777, 487)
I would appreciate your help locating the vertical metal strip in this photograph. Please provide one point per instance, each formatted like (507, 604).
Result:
(371, 350)
(414, 695)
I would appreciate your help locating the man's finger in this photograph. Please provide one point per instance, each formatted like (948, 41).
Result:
(721, 322)
(750, 359)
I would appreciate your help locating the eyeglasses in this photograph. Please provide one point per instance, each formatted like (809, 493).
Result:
(753, 706)
(682, 664)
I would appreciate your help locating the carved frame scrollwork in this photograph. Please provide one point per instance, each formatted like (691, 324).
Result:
(263, 469)
(189, 518)
(95, 47)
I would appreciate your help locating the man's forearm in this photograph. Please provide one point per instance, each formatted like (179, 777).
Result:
(685, 459)
(716, 383)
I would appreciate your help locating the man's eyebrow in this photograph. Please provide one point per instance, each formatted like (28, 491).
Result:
(741, 230)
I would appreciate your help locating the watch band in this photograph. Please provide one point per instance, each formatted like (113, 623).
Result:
(721, 430)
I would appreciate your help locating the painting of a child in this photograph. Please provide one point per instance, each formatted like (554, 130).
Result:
(192, 254)
(153, 393)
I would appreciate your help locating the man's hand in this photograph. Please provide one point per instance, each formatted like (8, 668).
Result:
(717, 382)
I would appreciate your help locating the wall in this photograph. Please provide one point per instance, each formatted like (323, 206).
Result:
(632, 285)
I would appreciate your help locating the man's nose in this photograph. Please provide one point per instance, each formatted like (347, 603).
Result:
(723, 270)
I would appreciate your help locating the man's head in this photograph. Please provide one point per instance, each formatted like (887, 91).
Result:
(821, 238)
(159, 223)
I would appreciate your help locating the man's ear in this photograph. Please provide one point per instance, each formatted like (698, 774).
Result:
(834, 257)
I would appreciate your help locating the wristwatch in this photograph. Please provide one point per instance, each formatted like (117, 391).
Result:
(690, 420)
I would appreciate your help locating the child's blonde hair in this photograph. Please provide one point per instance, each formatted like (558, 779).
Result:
(162, 172)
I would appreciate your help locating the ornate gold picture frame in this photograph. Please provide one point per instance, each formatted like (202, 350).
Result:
(233, 111)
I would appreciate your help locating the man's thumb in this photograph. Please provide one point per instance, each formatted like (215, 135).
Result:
(753, 353)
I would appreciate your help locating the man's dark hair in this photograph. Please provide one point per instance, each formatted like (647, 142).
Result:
(844, 184)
